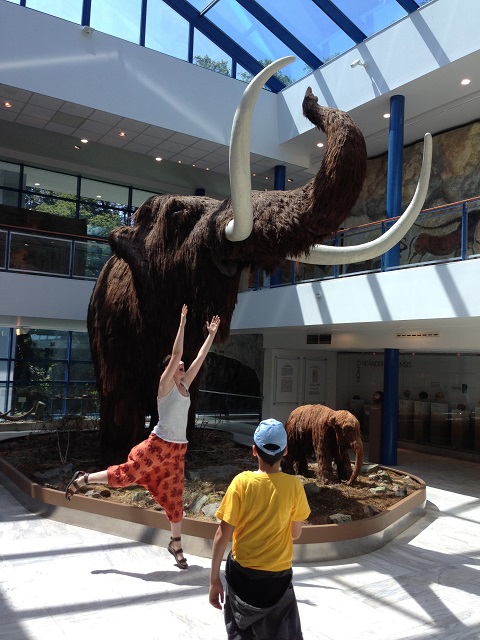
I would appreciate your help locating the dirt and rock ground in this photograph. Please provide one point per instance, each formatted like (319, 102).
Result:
(50, 457)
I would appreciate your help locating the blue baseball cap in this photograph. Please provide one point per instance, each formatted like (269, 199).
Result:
(270, 436)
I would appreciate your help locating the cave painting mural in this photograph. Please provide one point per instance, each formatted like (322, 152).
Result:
(445, 241)
(193, 249)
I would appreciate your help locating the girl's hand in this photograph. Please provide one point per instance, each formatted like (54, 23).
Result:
(213, 326)
(183, 315)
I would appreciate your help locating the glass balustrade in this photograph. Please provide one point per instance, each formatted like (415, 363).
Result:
(443, 234)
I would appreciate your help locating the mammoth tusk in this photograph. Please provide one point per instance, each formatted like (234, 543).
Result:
(239, 156)
(323, 254)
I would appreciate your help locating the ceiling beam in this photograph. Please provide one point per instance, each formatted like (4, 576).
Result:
(220, 38)
(409, 5)
(341, 20)
(281, 33)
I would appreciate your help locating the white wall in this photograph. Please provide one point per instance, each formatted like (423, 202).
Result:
(273, 406)
(368, 311)
(44, 302)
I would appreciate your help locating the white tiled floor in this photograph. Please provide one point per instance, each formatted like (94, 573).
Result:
(58, 581)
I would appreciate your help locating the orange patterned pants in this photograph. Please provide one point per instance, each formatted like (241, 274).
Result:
(158, 466)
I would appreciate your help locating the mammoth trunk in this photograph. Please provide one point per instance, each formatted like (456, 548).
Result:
(288, 223)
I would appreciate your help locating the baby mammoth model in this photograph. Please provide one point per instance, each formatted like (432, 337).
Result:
(315, 428)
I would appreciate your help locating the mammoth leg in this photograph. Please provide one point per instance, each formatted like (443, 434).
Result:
(303, 449)
(122, 426)
(287, 460)
(344, 466)
(326, 447)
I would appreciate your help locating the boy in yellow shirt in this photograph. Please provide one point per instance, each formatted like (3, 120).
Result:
(263, 509)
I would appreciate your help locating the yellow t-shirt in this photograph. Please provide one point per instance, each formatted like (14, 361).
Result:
(262, 508)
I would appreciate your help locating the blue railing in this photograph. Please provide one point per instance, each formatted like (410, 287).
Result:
(441, 234)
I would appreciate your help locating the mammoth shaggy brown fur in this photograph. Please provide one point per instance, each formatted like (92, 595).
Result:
(328, 434)
(176, 252)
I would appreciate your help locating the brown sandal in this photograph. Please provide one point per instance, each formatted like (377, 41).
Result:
(73, 486)
(181, 562)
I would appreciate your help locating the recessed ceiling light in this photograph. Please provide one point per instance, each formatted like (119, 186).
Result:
(37, 184)
(207, 169)
(99, 197)
(289, 179)
(386, 115)
(122, 134)
(179, 162)
(254, 175)
(7, 105)
(465, 81)
(84, 140)
(158, 159)
(77, 146)
(266, 177)
(319, 144)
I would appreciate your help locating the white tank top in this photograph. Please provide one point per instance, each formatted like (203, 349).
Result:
(172, 416)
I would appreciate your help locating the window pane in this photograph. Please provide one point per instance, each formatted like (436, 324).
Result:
(139, 197)
(9, 175)
(104, 206)
(101, 218)
(372, 16)
(312, 27)
(4, 345)
(89, 258)
(49, 204)
(21, 255)
(9, 198)
(48, 344)
(250, 34)
(120, 19)
(3, 248)
(80, 348)
(40, 253)
(71, 10)
(206, 54)
(81, 371)
(166, 31)
(58, 184)
(95, 190)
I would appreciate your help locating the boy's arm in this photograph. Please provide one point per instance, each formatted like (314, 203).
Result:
(296, 530)
(222, 536)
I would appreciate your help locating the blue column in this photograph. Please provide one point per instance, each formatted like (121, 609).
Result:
(392, 259)
(279, 180)
(278, 185)
(394, 173)
(390, 407)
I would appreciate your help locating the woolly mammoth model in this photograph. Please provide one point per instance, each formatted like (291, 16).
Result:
(328, 434)
(193, 250)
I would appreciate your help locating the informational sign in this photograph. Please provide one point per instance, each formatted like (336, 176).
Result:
(314, 386)
(286, 380)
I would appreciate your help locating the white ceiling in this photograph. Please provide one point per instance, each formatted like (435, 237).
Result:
(47, 128)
